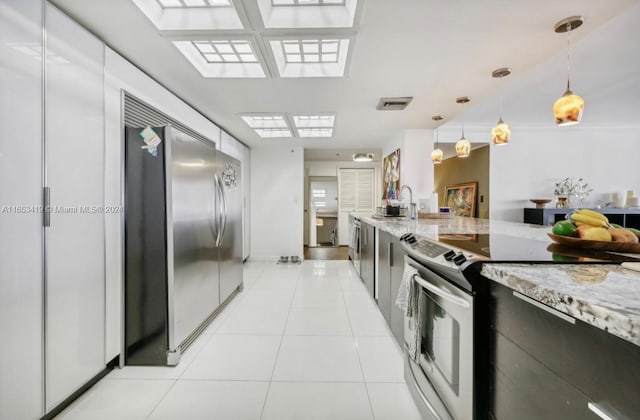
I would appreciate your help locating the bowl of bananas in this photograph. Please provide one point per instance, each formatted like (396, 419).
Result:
(589, 229)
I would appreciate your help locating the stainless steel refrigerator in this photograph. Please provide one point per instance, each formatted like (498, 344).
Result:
(183, 240)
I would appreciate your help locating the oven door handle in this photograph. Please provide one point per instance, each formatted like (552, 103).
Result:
(444, 294)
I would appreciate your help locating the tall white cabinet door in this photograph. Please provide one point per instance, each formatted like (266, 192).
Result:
(246, 202)
(74, 130)
(21, 329)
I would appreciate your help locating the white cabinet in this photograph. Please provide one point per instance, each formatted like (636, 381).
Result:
(356, 193)
(234, 148)
(74, 133)
(231, 146)
(21, 326)
(246, 202)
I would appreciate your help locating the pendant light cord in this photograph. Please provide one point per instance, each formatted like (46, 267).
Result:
(568, 56)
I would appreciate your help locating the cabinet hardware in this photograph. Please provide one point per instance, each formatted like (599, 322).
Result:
(46, 203)
(544, 307)
(390, 254)
(599, 411)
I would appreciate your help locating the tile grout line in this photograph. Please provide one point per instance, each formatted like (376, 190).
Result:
(275, 363)
(175, 381)
(364, 379)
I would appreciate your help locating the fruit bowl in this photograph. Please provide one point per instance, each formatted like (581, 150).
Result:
(633, 248)
(540, 202)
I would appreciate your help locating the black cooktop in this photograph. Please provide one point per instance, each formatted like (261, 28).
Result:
(507, 248)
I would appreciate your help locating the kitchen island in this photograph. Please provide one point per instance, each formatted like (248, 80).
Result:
(553, 340)
(606, 296)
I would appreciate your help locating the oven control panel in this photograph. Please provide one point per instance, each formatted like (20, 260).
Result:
(430, 250)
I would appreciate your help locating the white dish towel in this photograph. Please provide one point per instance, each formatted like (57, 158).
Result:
(407, 301)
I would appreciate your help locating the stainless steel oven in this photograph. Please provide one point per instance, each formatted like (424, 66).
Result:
(354, 243)
(441, 378)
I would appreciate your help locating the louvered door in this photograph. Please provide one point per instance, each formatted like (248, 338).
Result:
(356, 194)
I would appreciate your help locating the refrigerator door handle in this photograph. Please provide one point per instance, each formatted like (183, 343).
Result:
(213, 225)
(220, 209)
(223, 211)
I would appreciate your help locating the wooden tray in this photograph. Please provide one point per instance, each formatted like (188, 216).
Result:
(596, 245)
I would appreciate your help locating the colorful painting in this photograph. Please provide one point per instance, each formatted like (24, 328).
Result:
(461, 198)
(391, 175)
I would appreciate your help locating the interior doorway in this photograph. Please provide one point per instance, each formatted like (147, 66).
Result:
(323, 211)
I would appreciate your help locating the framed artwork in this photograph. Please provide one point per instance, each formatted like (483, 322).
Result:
(461, 198)
(391, 175)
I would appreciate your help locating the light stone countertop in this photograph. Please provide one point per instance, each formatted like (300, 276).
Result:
(606, 296)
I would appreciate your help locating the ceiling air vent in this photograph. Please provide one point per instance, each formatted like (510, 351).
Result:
(394, 104)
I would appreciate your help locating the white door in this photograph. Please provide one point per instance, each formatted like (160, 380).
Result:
(21, 395)
(356, 194)
(75, 294)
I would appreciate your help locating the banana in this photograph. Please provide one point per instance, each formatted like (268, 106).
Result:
(588, 220)
(593, 214)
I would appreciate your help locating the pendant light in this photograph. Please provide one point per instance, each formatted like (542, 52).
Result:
(568, 109)
(436, 155)
(463, 147)
(501, 133)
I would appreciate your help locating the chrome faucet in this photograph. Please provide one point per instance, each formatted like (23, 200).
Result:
(412, 205)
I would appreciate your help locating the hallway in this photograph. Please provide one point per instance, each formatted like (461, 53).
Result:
(301, 342)
(326, 253)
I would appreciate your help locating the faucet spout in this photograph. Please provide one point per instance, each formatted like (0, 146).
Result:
(412, 205)
(410, 193)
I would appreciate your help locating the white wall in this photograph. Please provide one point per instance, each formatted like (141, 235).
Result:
(607, 159)
(122, 75)
(277, 195)
(416, 169)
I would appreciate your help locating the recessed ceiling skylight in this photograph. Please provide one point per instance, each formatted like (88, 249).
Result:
(226, 51)
(270, 133)
(315, 132)
(265, 121)
(311, 51)
(191, 15)
(307, 14)
(268, 125)
(314, 125)
(310, 57)
(308, 2)
(222, 58)
(168, 4)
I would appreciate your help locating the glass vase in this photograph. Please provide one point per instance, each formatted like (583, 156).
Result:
(563, 202)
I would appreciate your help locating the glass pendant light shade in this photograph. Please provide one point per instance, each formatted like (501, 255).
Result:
(568, 109)
(436, 156)
(463, 148)
(501, 133)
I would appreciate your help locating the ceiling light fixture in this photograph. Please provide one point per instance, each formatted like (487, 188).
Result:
(437, 154)
(501, 133)
(568, 109)
(363, 157)
(463, 147)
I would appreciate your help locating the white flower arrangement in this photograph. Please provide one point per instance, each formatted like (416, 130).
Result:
(571, 187)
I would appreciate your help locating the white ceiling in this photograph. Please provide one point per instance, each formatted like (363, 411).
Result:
(432, 50)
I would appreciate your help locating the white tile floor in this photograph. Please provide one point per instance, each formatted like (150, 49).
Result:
(301, 342)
